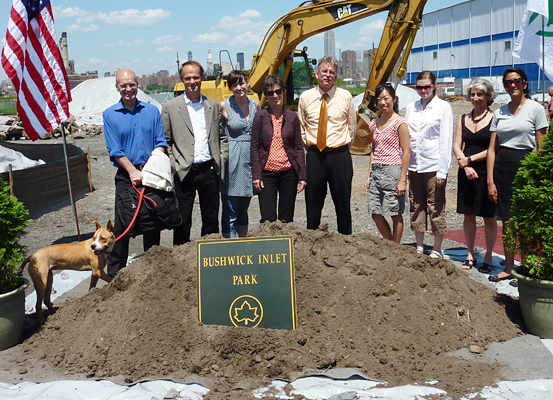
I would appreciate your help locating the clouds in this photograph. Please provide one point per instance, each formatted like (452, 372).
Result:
(165, 48)
(369, 33)
(236, 30)
(134, 17)
(87, 21)
(168, 39)
(94, 61)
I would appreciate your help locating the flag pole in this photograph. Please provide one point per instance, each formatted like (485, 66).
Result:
(543, 61)
(69, 184)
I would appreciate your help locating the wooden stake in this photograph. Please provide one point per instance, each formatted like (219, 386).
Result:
(10, 179)
(89, 169)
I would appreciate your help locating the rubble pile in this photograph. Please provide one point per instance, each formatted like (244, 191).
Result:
(12, 129)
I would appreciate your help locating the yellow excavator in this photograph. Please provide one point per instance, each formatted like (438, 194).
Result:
(278, 49)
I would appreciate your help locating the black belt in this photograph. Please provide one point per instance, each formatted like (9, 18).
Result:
(330, 149)
(201, 166)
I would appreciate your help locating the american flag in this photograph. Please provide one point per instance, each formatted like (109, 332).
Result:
(33, 62)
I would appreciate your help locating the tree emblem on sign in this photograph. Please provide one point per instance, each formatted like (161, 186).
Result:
(246, 310)
(246, 313)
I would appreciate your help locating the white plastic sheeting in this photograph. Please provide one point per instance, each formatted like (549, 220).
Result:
(100, 390)
(312, 388)
(16, 159)
(92, 97)
(404, 94)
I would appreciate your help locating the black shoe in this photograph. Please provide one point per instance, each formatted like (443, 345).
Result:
(495, 278)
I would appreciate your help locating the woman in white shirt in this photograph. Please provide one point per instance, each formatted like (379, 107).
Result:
(430, 122)
(517, 128)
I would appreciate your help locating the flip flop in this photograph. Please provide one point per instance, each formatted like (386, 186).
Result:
(485, 268)
(436, 254)
(495, 278)
(420, 251)
(468, 264)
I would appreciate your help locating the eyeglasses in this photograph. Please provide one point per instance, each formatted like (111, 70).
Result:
(516, 82)
(424, 87)
(278, 92)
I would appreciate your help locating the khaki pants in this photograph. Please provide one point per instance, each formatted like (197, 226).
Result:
(425, 198)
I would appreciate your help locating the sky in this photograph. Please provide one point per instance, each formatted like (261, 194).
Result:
(145, 36)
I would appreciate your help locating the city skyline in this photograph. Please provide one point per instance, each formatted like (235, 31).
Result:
(105, 36)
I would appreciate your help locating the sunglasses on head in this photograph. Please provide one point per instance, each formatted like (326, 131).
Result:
(272, 92)
(423, 87)
(517, 82)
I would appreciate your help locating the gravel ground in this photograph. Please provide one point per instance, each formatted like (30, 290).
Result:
(60, 226)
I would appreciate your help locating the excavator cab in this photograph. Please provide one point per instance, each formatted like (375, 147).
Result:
(296, 72)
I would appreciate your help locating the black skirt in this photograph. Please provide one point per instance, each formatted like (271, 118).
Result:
(507, 163)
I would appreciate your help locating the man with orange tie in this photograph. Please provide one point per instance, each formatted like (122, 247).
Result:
(328, 124)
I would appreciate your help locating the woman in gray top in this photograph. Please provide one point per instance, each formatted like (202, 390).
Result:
(237, 188)
(516, 129)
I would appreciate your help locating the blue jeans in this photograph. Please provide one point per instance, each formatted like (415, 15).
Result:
(234, 219)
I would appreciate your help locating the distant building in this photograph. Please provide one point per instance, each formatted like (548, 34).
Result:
(64, 50)
(471, 39)
(7, 87)
(240, 61)
(75, 79)
(348, 65)
(226, 67)
(190, 56)
(161, 78)
(330, 43)
(366, 68)
(210, 70)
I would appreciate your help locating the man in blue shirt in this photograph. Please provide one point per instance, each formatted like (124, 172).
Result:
(132, 129)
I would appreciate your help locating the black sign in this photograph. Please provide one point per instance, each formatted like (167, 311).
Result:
(247, 282)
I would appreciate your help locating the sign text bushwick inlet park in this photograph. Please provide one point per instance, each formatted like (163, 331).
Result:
(247, 282)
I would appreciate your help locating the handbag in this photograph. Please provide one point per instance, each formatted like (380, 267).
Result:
(159, 210)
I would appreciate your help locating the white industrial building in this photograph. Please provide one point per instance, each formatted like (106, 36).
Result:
(471, 39)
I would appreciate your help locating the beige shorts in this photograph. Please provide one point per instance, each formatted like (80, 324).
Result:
(426, 199)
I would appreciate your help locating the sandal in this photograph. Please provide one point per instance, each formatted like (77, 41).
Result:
(485, 268)
(468, 264)
(436, 254)
(496, 278)
(420, 250)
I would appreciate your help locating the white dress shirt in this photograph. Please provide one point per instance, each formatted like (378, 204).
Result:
(197, 117)
(430, 136)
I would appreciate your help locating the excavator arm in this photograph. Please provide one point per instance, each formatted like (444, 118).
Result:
(314, 17)
(310, 18)
(401, 27)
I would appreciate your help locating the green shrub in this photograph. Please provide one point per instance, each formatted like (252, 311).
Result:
(530, 229)
(14, 217)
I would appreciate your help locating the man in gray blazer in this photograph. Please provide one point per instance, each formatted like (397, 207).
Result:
(198, 149)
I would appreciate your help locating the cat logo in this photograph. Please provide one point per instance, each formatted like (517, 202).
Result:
(348, 10)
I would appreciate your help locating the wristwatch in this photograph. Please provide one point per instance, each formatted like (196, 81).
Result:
(469, 160)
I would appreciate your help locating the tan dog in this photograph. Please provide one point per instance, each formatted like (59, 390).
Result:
(82, 256)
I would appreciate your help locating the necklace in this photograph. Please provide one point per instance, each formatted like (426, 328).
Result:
(480, 119)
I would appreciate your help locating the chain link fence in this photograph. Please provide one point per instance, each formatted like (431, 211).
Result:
(8, 106)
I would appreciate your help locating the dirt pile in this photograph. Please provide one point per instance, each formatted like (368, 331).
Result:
(362, 302)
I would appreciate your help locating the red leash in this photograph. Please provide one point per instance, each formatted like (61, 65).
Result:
(140, 198)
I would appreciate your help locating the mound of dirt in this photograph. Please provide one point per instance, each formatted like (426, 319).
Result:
(362, 302)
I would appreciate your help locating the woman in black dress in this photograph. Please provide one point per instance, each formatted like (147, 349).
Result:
(473, 131)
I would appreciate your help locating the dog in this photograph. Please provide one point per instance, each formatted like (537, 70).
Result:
(83, 256)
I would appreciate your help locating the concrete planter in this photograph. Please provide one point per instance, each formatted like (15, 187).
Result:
(536, 303)
(12, 316)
